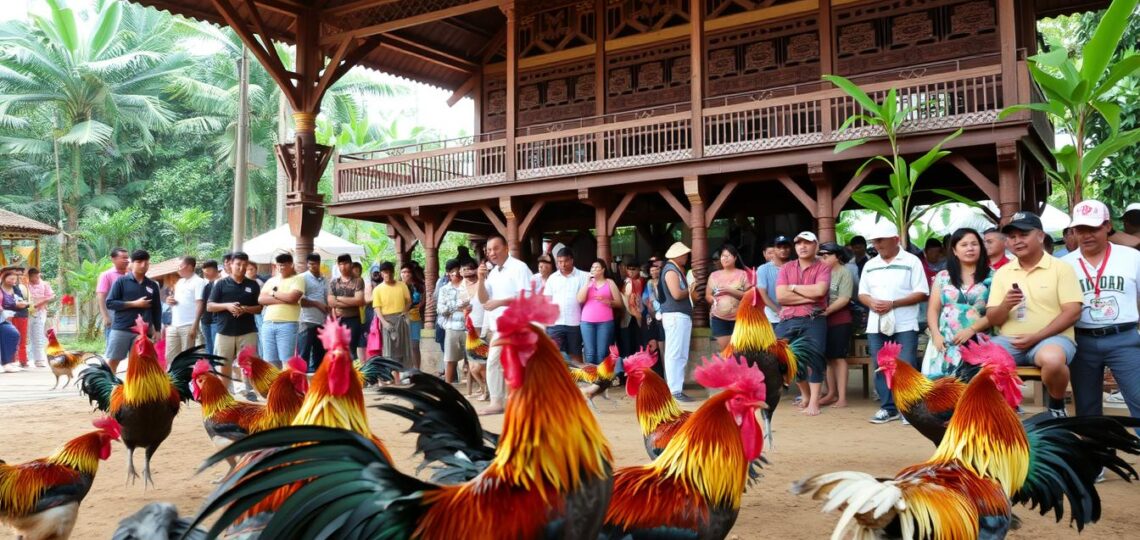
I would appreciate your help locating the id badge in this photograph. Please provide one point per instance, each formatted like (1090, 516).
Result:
(1103, 310)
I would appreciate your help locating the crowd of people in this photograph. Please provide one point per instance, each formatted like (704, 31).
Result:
(1072, 314)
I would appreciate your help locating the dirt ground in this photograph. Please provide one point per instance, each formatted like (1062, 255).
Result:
(839, 439)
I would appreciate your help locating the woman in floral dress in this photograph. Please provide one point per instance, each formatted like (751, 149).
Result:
(957, 307)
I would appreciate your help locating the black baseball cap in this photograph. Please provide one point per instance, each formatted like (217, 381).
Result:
(1023, 221)
(782, 240)
(829, 248)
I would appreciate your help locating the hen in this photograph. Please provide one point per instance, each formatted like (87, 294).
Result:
(40, 499)
(63, 362)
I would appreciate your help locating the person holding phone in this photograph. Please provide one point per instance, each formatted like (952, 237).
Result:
(1034, 302)
(599, 297)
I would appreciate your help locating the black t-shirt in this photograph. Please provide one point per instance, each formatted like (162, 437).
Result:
(207, 317)
(245, 293)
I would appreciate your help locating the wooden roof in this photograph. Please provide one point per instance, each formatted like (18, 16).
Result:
(13, 225)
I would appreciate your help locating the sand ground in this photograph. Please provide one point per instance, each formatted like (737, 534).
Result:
(34, 422)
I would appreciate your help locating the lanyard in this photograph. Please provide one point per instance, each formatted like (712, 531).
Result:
(1099, 271)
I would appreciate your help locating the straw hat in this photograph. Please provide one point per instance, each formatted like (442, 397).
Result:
(676, 250)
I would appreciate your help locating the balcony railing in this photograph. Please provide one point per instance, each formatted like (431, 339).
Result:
(939, 96)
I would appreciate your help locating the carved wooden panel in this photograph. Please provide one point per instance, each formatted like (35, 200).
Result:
(648, 77)
(721, 8)
(556, 93)
(556, 25)
(898, 33)
(751, 58)
(494, 103)
(389, 11)
(631, 17)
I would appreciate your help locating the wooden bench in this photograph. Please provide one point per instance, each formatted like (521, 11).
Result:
(860, 356)
(1032, 374)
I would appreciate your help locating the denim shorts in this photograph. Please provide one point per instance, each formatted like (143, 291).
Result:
(1025, 358)
(119, 344)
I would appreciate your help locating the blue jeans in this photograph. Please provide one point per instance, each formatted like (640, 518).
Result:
(814, 330)
(909, 354)
(9, 342)
(278, 341)
(209, 330)
(309, 346)
(1118, 352)
(596, 339)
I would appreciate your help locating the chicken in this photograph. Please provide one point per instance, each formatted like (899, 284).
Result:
(257, 372)
(477, 351)
(754, 338)
(693, 489)
(600, 377)
(146, 402)
(227, 420)
(40, 499)
(550, 477)
(658, 413)
(926, 404)
(987, 460)
(157, 521)
(477, 347)
(63, 362)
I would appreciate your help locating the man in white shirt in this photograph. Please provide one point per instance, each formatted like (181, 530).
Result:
(497, 287)
(184, 302)
(1106, 332)
(892, 286)
(562, 288)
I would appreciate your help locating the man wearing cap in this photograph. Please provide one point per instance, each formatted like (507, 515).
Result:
(802, 289)
(892, 285)
(676, 318)
(1034, 302)
(767, 275)
(1106, 332)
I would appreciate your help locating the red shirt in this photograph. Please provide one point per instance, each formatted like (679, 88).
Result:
(792, 274)
(1001, 262)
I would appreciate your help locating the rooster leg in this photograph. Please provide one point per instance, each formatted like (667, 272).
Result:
(65, 385)
(146, 469)
(766, 418)
(131, 474)
(57, 383)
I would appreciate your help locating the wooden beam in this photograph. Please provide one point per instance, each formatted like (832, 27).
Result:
(275, 68)
(284, 7)
(495, 221)
(798, 192)
(975, 176)
(511, 148)
(353, 6)
(614, 216)
(351, 59)
(528, 219)
(600, 65)
(414, 20)
(467, 87)
(416, 230)
(400, 230)
(441, 231)
(697, 76)
(259, 24)
(710, 213)
(1007, 34)
(330, 71)
(845, 195)
(680, 209)
(430, 53)
(493, 46)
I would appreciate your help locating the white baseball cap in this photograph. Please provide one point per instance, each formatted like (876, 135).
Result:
(883, 229)
(807, 235)
(1134, 207)
(1090, 213)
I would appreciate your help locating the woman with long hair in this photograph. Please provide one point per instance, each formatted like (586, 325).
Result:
(12, 303)
(599, 297)
(725, 289)
(415, 283)
(956, 311)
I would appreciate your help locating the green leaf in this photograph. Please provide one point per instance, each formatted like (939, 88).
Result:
(64, 20)
(923, 163)
(855, 92)
(1096, 155)
(1054, 89)
(1098, 51)
(1110, 112)
(1054, 57)
(866, 119)
(106, 28)
(1052, 108)
(846, 145)
(873, 203)
(1125, 67)
(956, 197)
(89, 132)
(869, 161)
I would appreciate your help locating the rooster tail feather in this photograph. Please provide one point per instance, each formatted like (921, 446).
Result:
(182, 368)
(448, 431)
(801, 355)
(1065, 457)
(350, 486)
(97, 381)
(379, 368)
(157, 520)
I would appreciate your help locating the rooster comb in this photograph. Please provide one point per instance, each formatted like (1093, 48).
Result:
(109, 425)
(732, 373)
(986, 352)
(333, 335)
(243, 356)
(200, 367)
(529, 307)
(140, 326)
(642, 359)
(889, 353)
(296, 363)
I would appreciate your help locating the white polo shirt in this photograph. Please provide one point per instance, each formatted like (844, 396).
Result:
(563, 292)
(1118, 287)
(504, 282)
(187, 292)
(897, 279)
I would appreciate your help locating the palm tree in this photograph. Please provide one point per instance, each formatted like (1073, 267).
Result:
(98, 83)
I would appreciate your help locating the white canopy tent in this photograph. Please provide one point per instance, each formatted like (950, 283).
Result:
(263, 248)
(957, 215)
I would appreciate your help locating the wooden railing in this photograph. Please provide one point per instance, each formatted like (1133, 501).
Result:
(937, 99)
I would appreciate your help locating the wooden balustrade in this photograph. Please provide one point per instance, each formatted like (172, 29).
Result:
(780, 119)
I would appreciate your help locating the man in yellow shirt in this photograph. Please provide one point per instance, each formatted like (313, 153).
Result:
(391, 299)
(281, 296)
(1034, 302)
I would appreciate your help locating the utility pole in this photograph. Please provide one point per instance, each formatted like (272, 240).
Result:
(241, 158)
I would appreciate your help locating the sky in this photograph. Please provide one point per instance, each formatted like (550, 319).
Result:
(424, 106)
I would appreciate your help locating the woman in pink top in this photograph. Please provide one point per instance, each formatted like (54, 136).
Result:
(725, 289)
(599, 297)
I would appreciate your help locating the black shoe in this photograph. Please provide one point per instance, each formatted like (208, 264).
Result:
(680, 396)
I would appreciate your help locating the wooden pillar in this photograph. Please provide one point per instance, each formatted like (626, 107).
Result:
(514, 245)
(508, 8)
(826, 62)
(698, 229)
(602, 231)
(431, 276)
(599, 73)
(1007, 34)
(824, 212)
(1009, 180)
(697, 74)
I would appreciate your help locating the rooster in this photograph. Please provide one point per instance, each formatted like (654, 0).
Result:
(550, 476)
(658, 413)
(987, 460)
(63, 362)
(693, 489)
(477, 351)
(146, 402)
(257, 372)
(600, 377)
(927, 404)
(40, 499)
(754, 339)
(227, 420)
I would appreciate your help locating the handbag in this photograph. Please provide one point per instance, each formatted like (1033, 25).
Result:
(375, 344)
